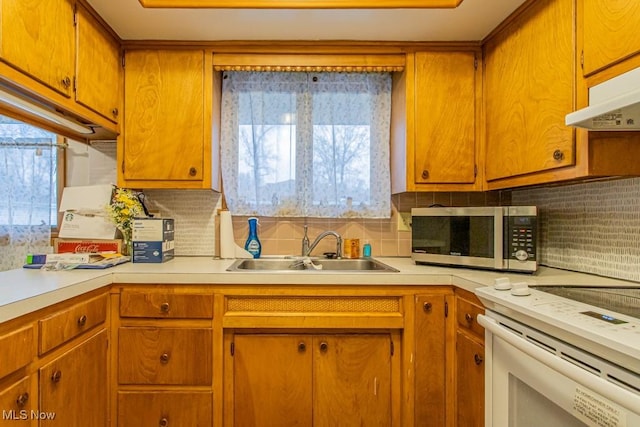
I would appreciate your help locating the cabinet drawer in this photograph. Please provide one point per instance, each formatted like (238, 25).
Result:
(67, 324)
(15, 399)
(17, 349)
(153, 409)
(313, 304)
(148, 355)
(166, 305)
(467, 315)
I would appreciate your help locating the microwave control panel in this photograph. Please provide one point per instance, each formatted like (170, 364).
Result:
(521, 235)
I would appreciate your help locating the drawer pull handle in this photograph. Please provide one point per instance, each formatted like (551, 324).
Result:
(114, 112)
(427, 307)
(558, 155)
(478, 359)
(324, 346)
(164, 358)
(468, 318)
(82, 320)
(193, 171)
(22, 399)
(66, 82)
(302, 347)
(164, 307)
(164, 422)
(56, 376)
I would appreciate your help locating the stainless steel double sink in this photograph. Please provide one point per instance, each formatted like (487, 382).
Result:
(311, 265)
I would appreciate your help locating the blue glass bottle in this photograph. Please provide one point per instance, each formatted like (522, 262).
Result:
(253, 245)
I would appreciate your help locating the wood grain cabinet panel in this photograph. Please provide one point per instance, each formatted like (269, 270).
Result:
(66, 324)
(17, 401)
(168, 119)
(166, 305)
(17, 349)
(151, 355)
(74, 385)
(165, 409)
(610, 32)
(38, 38)
(467, 316)
(469, 381)
(98, 76)
(529, 88)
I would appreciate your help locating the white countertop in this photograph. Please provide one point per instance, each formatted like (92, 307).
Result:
(23, 290)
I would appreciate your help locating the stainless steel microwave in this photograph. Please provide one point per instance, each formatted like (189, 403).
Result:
(496, 238)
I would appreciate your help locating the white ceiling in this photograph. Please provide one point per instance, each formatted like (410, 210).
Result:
(472, 20)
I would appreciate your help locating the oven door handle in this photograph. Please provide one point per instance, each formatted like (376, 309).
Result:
(591, 381)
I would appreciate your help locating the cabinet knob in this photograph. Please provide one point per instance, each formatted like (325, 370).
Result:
(425, 174)
(193, 171)
(468, 317)
(324, 346)
(66, 82)
(427, 307)
(82, 320)
(22, 399)
(164, 422)
(164, 307)
(478, 359)
(115, 112)
(558, 155)
(302, 347)
(56, 376)
(164, 358)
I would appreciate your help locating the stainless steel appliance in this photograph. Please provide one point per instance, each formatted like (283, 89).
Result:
(497, 238)
(555, 359)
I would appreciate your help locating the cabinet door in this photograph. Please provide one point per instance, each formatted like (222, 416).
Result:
(610, 32)
(74, 386)
(164, 129)
(17, 401)
(272, 380)
(352, 380)
(529, 81)
(38, 39)
(469, 381)
(98, 67)
(430, 353)
(445, 117)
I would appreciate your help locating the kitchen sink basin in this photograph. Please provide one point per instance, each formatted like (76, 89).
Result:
(310, 265)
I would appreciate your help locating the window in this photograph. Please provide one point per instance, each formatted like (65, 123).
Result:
(28, 190)
(306, 144)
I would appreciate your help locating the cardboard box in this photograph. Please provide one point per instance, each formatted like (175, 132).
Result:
(86, 245)
(153, 240)
(85, 215)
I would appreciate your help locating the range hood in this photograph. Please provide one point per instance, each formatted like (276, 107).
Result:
(613, 105)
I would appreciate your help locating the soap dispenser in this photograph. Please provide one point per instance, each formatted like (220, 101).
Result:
(253, 245)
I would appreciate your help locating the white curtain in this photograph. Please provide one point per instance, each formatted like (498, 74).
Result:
(28, 192)
(306, 144)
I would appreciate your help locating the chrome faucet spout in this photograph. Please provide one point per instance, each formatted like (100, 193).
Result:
(307, 248)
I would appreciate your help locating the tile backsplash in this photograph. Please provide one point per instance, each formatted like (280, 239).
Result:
(591, 227)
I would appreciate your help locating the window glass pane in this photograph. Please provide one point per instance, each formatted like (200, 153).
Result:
(28, 157)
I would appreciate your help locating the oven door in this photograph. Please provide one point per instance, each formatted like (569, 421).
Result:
(528, 386)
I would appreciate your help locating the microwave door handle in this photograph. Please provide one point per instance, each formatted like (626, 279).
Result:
(608, 390)
(498, 240)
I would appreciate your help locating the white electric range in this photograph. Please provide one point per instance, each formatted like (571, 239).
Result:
(555, 358)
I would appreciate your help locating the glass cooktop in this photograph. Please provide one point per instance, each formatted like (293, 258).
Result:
(621, 300)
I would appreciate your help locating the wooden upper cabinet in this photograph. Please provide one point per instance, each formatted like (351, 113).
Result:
(433, 122)
(98, 77)
(168, 119)
(38, 38)
(445, 117)
(609, 31)
(529, 88)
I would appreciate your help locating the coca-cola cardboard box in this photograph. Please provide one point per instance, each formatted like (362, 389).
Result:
(86, 245)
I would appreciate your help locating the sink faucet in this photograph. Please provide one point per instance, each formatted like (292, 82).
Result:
(307, 248)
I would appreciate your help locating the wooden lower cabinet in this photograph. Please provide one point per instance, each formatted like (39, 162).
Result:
(470, 381)
(74, 386)
(17, 401)
(165, 409)
(312, 380)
